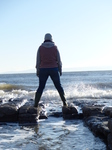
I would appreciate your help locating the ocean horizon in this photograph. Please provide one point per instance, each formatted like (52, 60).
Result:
(75, 69)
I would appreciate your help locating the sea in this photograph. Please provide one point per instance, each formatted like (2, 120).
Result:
(55, 133)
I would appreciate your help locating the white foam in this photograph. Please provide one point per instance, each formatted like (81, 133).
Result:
(74, 91)
(82, 91)
(1, 92)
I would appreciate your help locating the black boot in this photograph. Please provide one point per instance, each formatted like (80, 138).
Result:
(37, 99)
(63, 99)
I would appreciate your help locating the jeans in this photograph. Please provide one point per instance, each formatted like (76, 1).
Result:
(54, 75)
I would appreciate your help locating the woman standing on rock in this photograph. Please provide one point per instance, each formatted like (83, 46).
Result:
(48, 63)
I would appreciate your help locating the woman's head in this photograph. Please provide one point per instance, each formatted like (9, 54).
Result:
(48, 37)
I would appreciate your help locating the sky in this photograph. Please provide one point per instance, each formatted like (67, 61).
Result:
(81, 29)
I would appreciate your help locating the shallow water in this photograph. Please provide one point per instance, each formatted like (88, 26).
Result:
(50, 134)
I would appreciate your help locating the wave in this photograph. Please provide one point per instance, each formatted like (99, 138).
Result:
(77, 91)
(90, 91)
(9, 87)
(104, 85)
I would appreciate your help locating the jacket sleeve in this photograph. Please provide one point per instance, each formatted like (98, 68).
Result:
(38, 60)
(59, 62)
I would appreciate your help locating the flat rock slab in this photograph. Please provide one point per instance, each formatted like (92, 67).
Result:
(98, 125)
(97, 120)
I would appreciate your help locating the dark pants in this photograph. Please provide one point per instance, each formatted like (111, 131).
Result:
(54, 75)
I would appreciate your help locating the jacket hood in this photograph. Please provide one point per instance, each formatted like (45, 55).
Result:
(48, 44)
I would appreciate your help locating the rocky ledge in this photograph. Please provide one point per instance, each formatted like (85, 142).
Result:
(20, 111)
(99, 121)
(97, 118)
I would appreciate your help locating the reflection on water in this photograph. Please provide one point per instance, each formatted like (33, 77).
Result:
(50, 134)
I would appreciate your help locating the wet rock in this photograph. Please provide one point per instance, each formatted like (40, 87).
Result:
(8, 113)
(69, 112)
(28, 114)
(104, 128)
(19, 110)
(92, 110)
(110, 141)
(110, 114)
(97, 119)
(110, 125)
(107, 111)
(98, 125)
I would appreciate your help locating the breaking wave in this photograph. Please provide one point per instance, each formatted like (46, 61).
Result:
(73, 91)
(9, 87)
(90, 91)
(11, 91)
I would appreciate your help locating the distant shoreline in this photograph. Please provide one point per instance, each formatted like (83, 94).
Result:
(33, 72)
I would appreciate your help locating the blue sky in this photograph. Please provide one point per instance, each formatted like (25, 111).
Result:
(82, 30)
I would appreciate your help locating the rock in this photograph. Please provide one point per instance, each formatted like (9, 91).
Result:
(104, 128)
(107, 111)
(109, 139)
(97, 120)
(69, 112)
(80, 116)
(18, 110)
(110, 114)
(98, 125)
(28, 109)
(110, 125)
(28, 114)
(92, 110)
(103, 132)
(8, 113)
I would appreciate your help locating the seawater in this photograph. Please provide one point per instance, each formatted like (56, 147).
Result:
(55, 133)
